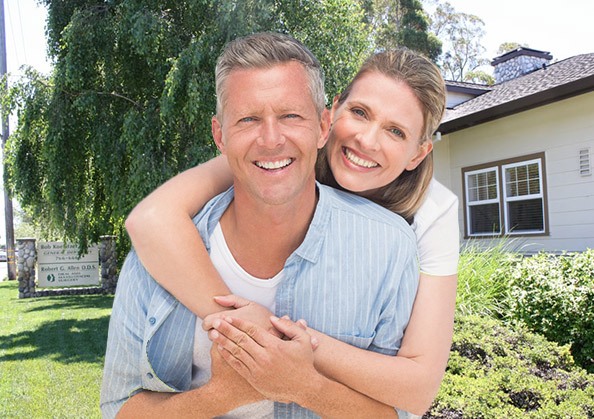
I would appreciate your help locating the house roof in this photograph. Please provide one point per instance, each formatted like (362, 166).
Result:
(561, 80)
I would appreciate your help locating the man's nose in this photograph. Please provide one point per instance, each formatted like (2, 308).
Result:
(271, 135)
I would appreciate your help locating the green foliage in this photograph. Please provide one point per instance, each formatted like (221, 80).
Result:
(479, 77)
(481, 289)
(395, 23)
(51, 354)
(130, 99)
(554, 296)
(496, 372)
(509, 46)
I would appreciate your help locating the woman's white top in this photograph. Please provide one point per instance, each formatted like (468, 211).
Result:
(438, 235)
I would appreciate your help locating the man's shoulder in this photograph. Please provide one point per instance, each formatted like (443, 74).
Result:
(360, 209)
(210, 214)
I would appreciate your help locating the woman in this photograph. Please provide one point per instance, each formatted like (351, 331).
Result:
(379, 147)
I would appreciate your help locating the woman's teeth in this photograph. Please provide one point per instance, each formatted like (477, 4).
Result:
(359, 161)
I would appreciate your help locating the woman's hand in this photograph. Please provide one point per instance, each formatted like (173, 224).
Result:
(244, 309)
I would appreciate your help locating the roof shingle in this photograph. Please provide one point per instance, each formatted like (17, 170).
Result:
(566, 72)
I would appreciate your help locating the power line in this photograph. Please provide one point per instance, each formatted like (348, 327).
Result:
(21, 31)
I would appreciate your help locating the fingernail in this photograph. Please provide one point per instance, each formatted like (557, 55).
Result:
(214, 334)
(274, 318)
(216, 323)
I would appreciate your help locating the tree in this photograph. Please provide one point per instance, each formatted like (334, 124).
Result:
(401, 23)
(461, 35)
(509, 46)
(129, 101)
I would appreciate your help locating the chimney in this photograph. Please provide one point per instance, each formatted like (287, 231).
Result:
(518, 62)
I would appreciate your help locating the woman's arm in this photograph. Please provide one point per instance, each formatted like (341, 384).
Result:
(167, 242)
(411, 379)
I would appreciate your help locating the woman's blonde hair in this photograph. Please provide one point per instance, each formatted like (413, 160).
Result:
(405, 194)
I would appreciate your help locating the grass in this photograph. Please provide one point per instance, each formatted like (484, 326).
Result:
(481, 289)
(51, 354)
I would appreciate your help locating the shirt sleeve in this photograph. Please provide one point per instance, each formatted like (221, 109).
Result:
(121, 374)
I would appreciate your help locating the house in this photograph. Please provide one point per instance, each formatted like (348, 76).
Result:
(518, 154)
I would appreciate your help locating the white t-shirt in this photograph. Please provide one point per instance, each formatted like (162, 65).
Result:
(262, 291)
(436, 228)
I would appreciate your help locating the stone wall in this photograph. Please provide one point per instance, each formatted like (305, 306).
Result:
(26, 258)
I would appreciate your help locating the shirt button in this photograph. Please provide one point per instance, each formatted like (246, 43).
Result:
(152, 320)
(150, 376)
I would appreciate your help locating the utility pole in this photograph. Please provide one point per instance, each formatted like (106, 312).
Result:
(7, 201)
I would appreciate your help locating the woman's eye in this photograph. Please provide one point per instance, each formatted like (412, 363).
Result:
(397, 132)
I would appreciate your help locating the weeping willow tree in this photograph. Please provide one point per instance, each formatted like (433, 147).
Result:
(129, 100)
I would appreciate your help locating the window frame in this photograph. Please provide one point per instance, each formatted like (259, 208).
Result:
(499, 166)
(469, 205)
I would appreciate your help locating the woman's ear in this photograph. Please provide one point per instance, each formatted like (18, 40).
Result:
(424, 149)
(334, 107)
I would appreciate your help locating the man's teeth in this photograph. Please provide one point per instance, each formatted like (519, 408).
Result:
(272, 165)
(359, 161)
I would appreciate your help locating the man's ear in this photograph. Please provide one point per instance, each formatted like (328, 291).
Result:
(217, 133)
(424, 149)
(335, 106)
(325, 125)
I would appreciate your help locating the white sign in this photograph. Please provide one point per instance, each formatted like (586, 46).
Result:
(58, 265)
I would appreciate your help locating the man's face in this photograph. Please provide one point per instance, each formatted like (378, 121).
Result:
(270, 132)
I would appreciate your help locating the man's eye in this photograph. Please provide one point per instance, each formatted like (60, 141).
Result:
(246, 119)
(291, 116)
(358, 112)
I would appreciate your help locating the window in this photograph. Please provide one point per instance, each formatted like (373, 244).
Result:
(483, 201)
(506, 197)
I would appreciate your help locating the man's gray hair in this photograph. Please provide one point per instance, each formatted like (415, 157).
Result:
(265, 50)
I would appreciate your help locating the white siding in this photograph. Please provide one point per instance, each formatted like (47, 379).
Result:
(559, 130)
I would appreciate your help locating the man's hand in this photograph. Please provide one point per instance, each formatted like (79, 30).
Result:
(244, 309)
(281, 370)
(225, 377)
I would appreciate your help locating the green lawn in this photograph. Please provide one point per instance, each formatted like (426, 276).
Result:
(51, 354)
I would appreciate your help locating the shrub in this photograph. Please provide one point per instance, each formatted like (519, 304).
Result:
(554, 296)
(482, 290)
(497, 372)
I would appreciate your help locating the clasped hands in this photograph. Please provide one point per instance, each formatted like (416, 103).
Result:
(274, 355)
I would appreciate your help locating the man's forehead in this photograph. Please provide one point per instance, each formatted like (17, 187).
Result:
(282, 87)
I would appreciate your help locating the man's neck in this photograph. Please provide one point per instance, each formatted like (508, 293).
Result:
(261, 237)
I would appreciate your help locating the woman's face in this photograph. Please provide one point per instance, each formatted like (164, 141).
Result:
(375, 133)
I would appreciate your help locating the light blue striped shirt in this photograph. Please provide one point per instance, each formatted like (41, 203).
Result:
(354, 277)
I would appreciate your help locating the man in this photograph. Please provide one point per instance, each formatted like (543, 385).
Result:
(301, 249)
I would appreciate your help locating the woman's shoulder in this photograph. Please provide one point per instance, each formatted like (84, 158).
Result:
(437, 231)
(439, 203)
(440, 195)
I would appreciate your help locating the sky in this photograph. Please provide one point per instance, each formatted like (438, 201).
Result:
(563, 29)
